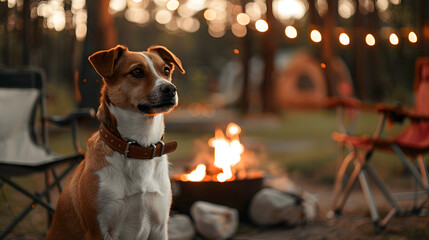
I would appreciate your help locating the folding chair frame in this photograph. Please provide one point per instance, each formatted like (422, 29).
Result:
(36, 197)
(34, 78)
(363, 170)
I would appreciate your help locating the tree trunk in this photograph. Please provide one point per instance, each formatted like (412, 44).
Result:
(424, 16)
(269, 48)
(328, 47)
(245, 45)
(101, 34)
(359, 51)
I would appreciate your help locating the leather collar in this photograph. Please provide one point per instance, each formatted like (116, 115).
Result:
(130, 149)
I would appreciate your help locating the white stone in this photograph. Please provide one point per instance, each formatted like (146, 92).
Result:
(270, 206)
(180, 227)
(214, 221)
(309, 205)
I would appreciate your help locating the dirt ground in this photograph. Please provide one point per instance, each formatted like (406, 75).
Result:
(354, 224)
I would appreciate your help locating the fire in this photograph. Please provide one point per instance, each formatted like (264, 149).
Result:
(227, 154)
(196, 175)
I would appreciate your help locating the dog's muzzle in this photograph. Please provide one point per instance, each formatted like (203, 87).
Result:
(163, 99)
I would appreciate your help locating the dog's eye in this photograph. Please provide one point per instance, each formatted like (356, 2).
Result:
(167, 71)
(137, 73)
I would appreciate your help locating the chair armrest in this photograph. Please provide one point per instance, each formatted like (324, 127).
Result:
(77, 114)
(398, 114)
(348, 102)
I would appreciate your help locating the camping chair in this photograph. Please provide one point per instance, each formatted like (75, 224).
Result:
(23, 138)
(409, 146)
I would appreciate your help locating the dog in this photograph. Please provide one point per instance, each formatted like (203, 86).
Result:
(121, 190)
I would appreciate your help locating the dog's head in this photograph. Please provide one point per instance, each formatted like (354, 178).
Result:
(140, 81)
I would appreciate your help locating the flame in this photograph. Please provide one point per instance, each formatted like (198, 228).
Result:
(197, 175)
(227, 153)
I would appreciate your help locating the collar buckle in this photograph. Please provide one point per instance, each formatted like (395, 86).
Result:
(154, 148)
(127, 149)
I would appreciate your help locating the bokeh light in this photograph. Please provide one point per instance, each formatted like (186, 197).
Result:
(137, 15)
(188, 24)
(243, 19)
(412, 37)
(370, 40)
(346, 8)
(344, 39)
(210, 14)
(261, 25)
(382, 5)
(315, 36)
(238, 30)
(291, 32)
(289, 9)
(172, 5)
(393, 38)
(255, 9)
(117, 5)
(163, 16)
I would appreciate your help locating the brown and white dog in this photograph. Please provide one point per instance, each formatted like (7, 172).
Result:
(113, 194)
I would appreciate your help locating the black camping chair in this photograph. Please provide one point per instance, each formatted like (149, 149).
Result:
(23, 138)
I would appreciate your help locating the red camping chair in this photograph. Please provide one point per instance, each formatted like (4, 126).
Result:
(409, 145)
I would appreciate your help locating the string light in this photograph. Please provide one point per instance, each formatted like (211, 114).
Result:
(291, 32)
(261, 25)
(243, 19)
(344, 39)
(370, 40)
(210, 14)
(393, 38)
(412, 37)
(315, 36)
(172, 5)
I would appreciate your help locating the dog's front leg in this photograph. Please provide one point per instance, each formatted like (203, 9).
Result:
(160, 234)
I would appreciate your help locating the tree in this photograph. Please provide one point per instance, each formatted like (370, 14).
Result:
(101, 34)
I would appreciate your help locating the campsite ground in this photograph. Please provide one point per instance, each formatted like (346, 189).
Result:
(297, 145)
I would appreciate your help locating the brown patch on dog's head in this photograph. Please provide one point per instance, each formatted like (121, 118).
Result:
(167, 56)
(104, 61)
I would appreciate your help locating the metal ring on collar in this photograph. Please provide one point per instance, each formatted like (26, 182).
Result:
(154, 150)
(127, 149)
(162, 147)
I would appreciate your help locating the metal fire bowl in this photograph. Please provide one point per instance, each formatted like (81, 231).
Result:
(235, 194)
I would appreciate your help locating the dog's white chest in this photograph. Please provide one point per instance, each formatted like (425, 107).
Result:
(134, 197)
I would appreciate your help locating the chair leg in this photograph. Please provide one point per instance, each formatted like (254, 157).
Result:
(37, 198)
(340, 176)
(18, 219)
(363, 179)
(339, 204)
(423, 169)
(417, 176)
(425, 177)
(382, 186)
(410, 167)
(34, 197)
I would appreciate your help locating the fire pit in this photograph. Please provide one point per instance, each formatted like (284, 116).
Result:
(226, 180)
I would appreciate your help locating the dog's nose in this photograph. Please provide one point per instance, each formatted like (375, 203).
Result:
(168, 89)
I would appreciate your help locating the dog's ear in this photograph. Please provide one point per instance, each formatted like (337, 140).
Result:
(104, 61)
(167, 56)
